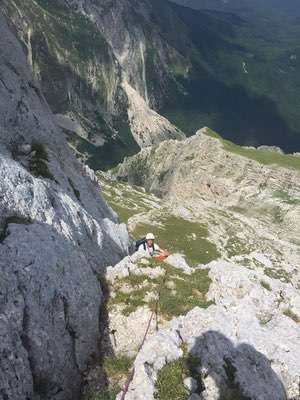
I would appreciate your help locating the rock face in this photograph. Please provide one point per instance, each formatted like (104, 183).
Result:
(57, 235)
(206, 170)
(205, 164)
(245, 346)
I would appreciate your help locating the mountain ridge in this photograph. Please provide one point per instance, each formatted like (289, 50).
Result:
(228, 296)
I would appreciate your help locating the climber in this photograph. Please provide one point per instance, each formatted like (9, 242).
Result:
(147, 245)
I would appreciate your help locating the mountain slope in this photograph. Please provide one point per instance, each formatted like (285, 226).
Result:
(229, 311)
(57, 235)
(91, 63)
(245, 80)
(256, 7)
(205, 173)
(113, 70)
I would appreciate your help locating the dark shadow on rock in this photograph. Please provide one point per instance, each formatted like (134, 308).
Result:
(95, 378)
(57, 303)
(233, 372)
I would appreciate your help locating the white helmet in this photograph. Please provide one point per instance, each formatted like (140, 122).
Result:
(150, 236)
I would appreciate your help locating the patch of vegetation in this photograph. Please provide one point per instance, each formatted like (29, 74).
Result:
(236, 246)
(277, 215)
(266, 285)
(116, 368)
(169, 384)
(126, 200)
(181, 236)
(267, 157)
(105, 394)
(285, 197)
(189, 292)
(289, 313)
(135, 298)
(38, 165)
(123, 212)
(136, 280)
(132, 300)
(279, 274)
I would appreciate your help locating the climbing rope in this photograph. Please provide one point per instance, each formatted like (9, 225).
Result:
(154, 312)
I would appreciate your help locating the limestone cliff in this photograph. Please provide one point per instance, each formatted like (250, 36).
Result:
(95, 69)
(57, 236)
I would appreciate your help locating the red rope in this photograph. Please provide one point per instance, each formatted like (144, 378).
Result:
(131, 375)
(127, 384)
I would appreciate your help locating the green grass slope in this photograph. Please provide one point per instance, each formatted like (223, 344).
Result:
(267, 157)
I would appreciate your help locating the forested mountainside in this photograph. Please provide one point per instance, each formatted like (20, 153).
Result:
(252, 53)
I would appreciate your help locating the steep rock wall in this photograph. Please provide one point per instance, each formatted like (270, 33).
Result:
(57, 235)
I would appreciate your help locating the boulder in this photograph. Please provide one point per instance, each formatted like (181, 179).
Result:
(178, 261)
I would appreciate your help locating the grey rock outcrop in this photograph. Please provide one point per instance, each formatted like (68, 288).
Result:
(203, 164)
(178, 261)
(57, 235)
(248, 199)
(245, 346)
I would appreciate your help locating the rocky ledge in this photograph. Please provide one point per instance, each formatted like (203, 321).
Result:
(245, 345)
